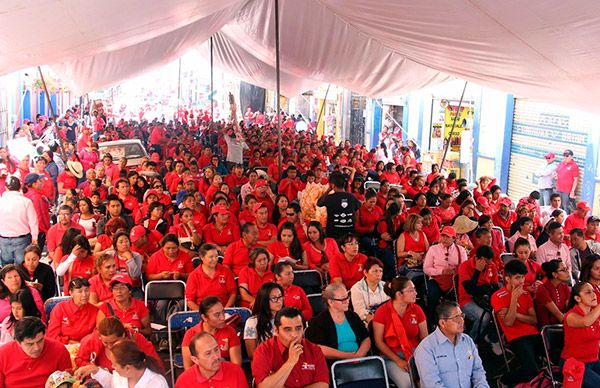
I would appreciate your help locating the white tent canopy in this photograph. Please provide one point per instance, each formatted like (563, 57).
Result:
(542, 49)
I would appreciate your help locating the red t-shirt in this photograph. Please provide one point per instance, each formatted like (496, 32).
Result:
(295, 296)
(81, 268)
(413, 316)
(445, 216)
(226, 337)
(159, 262)
(199, 285)
(100, 288)
(504, 223)
(314, 256)
(133, 315)
(222, 237)
(573, 221)
(266, 232)
(367, 220)
(70, 322)
(236, 256)
(581, 343)
(229, 375)
(350, 272)
(547, 293)
(69, 181)
(501, 300)
(250, 277)
(271, 355)
(17, 369)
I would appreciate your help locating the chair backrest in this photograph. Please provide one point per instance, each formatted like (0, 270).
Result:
(500, 339)
(164, 290)
(413, 372)
(501, 233)
(506, 257)
(309, 280)
(243, 312)
(553, 337)
(359, 372)
(60, 284)
(408, 202)
(51, 303)
(316, 302)
(179, 320)
(372, 185)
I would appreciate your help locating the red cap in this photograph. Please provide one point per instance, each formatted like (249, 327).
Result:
(583, 205)
(121, 278)
(505, 201)
(137, 232)
(483, 201)
(549, 155)
(257, 206)
(448, 231)
(188, 179)
(219, 209)
(260, 183)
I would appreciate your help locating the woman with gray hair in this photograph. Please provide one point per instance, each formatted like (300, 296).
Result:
(340, 333)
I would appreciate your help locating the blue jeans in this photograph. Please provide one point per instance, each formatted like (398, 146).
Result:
(545, 196)
(13, 249)
(566, 202)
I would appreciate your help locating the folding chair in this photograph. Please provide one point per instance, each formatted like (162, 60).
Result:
(51, 303)
(60, 283)
(182, 320)
(553, 337)
(413, 372)
(500, 339)
(372, 185)
(309, 280)
(506, 257)
(360, 372)
(167, 290)
(501, 233)
(408, 202)
(243, 312)
(316, 302)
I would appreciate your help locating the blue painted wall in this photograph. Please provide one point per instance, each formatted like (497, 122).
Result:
(376, 122)
(503, 154)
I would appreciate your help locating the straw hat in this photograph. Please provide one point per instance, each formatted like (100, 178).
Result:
(464, 224)
(76, 168)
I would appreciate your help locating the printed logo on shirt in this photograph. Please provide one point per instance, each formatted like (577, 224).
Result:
(135, 316)
(296, 297)
(413, 319)
(65, 321)
(179, 265)
(360, 268)
(307, 366)
(225, 345)
(344, 203)
(222, 279)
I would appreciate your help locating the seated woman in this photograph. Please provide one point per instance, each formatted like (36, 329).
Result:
(86, 218)
(294, 296)
(169, 262)
(411, 247)
(212, 315)
(525, 227)
(78, 264)
(431, 226)
(260, 326)
(95, 348)
(398, 327)
(75, 318)
(38, 275)
(254, 276)
(210, 278)
(131, 312)
(340, 333)
(522, 251)
(106, 268)
(288, 246)
(219, 231)
(318, 250)
(126, 260)
(347, 266)
(12, 281)
(389, 228)
(21, 305)
(553, 294)
(155, 219)
(134, 368)
(366, 225)
(368, 294)
(189, 237)
(582, 332)
(105, 241)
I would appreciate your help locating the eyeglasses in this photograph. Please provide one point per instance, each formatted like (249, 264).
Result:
(290, 214)
(276, 299)
(342, 299)
(157, 187)
(456, 318)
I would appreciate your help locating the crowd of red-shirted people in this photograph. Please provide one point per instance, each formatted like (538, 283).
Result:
(217, 206)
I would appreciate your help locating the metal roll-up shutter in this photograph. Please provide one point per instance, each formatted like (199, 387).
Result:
(540, 128)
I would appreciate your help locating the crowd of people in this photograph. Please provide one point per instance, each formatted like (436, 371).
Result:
(417, 266)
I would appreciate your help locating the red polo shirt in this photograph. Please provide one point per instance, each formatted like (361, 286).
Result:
(229, 375)
(547, 293)
(199, 285)
(445, 216)
(501, 300)
(271, 355)
(581, 343)
(19, 370)
(279, 250)
(222, 237)
(226, 337)
(100, 288)
(367, 220)
(159, 262)
(233, 181)
(81, 268)
(504, 223)
(351, 272)
(151, 247)
(465, 272)
(574, 221)
(133, 315)
(411, 319)
(314, 256)
(250, 277)
(69, 181)
(565, 176)
(69, 322)
(266, 232)
(131, 203)
(236, 256)
(295, 296)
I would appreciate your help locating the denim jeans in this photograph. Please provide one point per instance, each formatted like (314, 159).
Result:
(545, 196)
(13, 249)
(566, 202)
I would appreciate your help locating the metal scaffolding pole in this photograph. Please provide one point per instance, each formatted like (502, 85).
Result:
(278, 93)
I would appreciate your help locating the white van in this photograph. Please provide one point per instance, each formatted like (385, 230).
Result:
(131, 149)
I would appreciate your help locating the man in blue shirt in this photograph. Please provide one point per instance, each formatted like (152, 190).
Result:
(447, 357)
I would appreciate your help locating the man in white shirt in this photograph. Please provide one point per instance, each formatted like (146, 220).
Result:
(18, 223)
(545, 176)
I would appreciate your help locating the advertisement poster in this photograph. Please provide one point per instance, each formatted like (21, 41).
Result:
(464, 121)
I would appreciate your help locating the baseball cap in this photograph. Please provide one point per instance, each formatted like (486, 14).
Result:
(483, 201)
(593, 219)
(137, 232)
(448, 231)
(583, 205)
(31, 178)
(219, 209)
(505, 201)
(59, 377)
(549, 155)
(121, 278)
(567, 152)
(260, 183)
(257, 206)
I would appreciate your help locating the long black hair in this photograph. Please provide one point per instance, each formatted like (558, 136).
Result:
(262, 311)
(25, 297)
(295, 246)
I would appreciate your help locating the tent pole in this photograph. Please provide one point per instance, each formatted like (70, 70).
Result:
(323, 108)
(211, 80)
(178, 86)
(392, 118)
(277, 70)
(46, 90)
(453, 126)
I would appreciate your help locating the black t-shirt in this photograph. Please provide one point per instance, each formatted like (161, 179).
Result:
(340, 213)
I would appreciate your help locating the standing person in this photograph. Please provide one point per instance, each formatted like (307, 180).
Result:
(288, 359)
(582, 333)
(567, 178)
(462, 365)
(23, 227)
(545, 176)
(341, 207)
(32, 189)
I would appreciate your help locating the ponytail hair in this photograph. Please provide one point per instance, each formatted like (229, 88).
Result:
(127, 352)
(398, 284)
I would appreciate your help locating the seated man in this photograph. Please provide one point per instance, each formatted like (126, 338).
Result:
(29, 359)
(580, 250)
(208, 369)
(461, 364)
(288, 359)
(516, 315)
